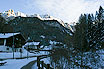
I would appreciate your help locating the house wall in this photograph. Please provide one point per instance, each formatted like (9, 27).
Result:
(18, 41)
(8, 49)
(7, 43)
(5, 48)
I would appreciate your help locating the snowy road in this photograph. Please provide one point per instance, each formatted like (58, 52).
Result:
(29, 65)
(16, 63)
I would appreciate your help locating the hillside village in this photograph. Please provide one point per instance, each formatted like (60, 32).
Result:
(15, 44)
(47, 42)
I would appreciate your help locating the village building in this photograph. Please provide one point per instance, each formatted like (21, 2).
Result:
(10, 41)
(30, 44)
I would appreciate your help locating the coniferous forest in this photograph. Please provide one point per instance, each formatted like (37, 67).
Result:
(86, 45)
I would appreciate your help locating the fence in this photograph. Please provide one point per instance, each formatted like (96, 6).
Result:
(47, 66)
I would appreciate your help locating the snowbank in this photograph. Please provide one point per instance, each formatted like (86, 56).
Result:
(4, 55)
(16, 64)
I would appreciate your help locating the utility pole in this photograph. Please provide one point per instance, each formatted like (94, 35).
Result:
(13, 43)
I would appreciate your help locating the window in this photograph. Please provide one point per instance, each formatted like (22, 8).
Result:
(1, 41)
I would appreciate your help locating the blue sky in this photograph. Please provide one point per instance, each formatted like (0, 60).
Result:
(67, 10)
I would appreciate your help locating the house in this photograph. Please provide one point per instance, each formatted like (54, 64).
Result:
(7, 40)
(30, 44)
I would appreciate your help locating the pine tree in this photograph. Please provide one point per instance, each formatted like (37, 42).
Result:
(100, 25)
(90, 31)
(100, 16)
(80, 38)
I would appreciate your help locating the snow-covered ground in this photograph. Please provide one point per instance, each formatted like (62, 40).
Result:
(16, 55)
(4, 55)
(16, 63)
(35, 66)
(94, 60)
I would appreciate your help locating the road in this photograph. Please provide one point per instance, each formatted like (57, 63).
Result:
(29, 65)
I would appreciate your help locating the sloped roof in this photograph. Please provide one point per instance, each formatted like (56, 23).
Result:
(7, 35)
(32, 43)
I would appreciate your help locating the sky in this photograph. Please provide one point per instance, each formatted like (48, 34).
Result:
(66, 10)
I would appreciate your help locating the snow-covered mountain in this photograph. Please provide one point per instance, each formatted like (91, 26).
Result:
(20, 14)
(10, 14)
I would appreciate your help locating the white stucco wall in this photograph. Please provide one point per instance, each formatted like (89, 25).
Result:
(4, 48)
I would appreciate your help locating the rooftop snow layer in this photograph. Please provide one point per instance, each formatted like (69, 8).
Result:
(7, 35)
(32, 43)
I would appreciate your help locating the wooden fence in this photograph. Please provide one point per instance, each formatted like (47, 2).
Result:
(47, 66)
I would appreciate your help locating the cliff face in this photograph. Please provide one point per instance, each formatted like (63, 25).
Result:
(40, 30)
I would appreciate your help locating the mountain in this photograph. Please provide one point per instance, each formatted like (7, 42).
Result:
(70, 27)
(10, 14)
(36, 27)
(33, 27)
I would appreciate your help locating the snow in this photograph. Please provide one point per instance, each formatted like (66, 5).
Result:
(91, 59)
(32, 43)
(46, 60)
(16, 64)
(54, 42)
(35, 66)
(42, 36)
(4, 55)
(48, 47)
(20, 14)
(7, 35)
(71, 34)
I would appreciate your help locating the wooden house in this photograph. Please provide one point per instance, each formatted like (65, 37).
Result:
(7, 40)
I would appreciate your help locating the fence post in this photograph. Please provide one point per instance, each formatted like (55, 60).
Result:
(48, 66)
(38, 62)
(20, 53)
(42, 64)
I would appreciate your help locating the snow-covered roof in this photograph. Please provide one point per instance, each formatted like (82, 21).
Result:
(7, 35)
(32, 43)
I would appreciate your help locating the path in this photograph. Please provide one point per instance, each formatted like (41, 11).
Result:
(29, 65)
